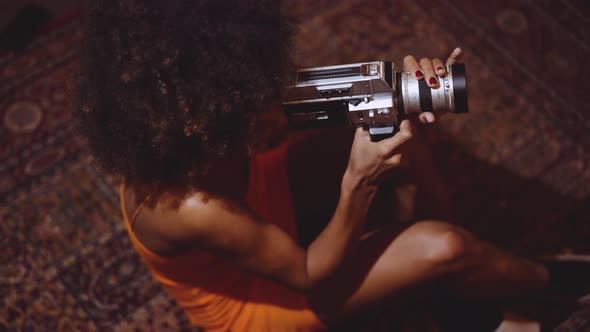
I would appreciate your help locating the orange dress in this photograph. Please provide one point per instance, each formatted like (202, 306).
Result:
(218, 296)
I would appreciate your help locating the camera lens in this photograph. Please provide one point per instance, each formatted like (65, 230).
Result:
(459, 88)
(415, 96)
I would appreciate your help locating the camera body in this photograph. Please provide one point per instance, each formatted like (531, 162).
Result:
(370, 94)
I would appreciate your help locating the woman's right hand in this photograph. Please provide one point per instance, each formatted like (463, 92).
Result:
(369, 161)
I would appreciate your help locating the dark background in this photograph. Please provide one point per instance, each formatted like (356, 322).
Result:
(518, 163)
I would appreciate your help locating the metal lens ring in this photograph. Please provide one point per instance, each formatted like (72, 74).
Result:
(451, 96)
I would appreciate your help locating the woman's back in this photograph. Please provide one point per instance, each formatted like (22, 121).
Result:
(217, 295)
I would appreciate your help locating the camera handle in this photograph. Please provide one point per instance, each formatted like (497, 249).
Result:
(381, 133)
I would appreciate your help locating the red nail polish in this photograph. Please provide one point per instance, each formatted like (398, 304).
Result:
(419, 74)
(432, 81)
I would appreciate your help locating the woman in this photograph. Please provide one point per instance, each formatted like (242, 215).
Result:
(177, 98)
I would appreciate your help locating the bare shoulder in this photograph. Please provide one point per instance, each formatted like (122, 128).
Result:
(167, 230)
(199, 220)
(226, 230)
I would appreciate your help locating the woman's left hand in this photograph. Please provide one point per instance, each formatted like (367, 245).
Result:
(428, 69)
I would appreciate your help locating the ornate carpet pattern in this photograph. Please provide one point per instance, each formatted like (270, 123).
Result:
(66, 263)
(518, 163)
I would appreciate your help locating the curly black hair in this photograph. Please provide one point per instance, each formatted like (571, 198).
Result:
(168, 87)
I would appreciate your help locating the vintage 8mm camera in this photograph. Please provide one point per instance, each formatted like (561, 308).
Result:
(370, 94)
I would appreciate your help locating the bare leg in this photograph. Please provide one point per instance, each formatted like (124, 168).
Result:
(390, 267)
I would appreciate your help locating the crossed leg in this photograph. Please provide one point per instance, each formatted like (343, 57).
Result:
(392, 265)
(388, 267)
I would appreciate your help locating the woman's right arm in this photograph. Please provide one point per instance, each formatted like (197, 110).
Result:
(266, 250)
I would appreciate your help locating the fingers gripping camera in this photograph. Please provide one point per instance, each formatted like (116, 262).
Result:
(370, 94)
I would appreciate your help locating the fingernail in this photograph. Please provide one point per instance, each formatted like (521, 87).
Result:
(418, 74)
(440, 69)
(432, 81)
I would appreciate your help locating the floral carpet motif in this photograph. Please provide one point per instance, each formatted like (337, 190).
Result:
(518, 163)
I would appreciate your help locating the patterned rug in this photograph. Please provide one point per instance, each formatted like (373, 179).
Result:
(518, 163)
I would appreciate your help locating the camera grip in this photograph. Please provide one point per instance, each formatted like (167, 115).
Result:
(381, 133)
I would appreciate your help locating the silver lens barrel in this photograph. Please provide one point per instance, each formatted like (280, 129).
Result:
(415, 96)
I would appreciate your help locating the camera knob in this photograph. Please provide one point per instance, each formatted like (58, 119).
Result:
(384, 112)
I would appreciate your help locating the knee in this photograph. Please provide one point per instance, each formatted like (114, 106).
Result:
(446, 247)
(442, 243)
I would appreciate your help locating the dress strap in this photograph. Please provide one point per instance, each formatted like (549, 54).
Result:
(139, 207)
